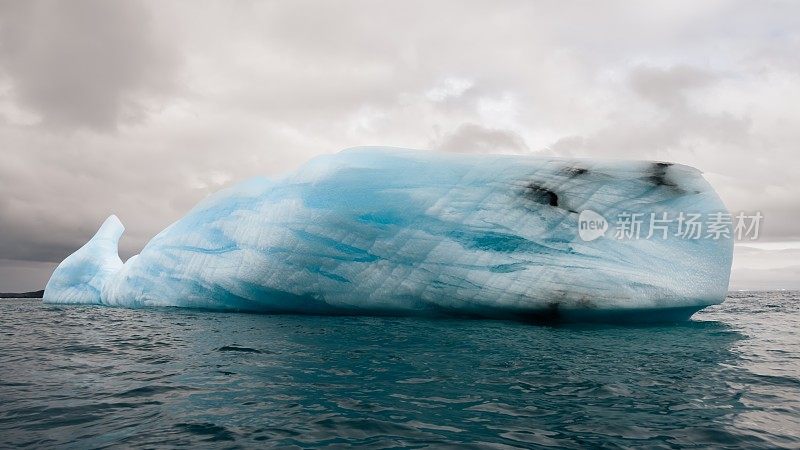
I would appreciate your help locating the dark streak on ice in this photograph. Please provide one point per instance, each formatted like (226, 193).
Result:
(544, 196)
(658, 176)
(541, 195)
(573, 172)
(550, 315)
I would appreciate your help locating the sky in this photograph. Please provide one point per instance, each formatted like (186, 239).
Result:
(143, 108)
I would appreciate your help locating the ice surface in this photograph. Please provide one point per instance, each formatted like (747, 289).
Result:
(81, 276)
(381, 230)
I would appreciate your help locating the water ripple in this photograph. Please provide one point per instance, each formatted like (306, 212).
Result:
(97, 377)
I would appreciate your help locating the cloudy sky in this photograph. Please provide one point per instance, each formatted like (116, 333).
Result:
(143, 108)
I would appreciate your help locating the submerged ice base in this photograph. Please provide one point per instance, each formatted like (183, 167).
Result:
(391, 231)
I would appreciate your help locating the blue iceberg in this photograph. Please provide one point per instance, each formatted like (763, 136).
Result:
(393, 231)
(80, 278)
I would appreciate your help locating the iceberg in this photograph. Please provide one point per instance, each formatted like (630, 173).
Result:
(81, 276)
(377, 230)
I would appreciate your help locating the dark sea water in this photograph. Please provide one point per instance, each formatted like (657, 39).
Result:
(84, 377)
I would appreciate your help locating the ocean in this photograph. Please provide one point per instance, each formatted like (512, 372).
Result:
(93, 377)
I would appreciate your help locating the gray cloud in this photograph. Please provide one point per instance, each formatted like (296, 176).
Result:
(668, 88)
(24, 276)
(85, 63)
(143, 108)
(474, 138)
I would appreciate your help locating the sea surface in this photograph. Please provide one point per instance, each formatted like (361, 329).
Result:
(94, 377)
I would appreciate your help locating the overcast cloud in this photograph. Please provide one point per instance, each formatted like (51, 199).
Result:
(143, 108)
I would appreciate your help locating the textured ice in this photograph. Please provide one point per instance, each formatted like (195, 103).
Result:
(81, 276)
(392, 231)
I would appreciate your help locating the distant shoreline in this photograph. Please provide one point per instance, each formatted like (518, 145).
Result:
(32, 294)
